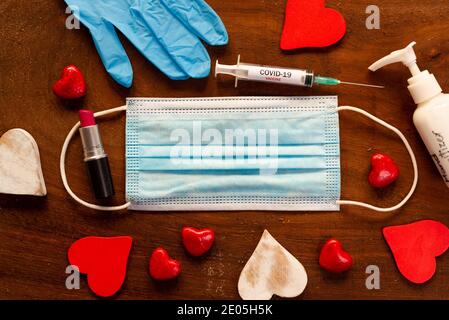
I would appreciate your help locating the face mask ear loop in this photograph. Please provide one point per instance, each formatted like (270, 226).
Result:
(412, 157)
(63, 172)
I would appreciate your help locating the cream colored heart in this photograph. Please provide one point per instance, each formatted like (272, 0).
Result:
(20, 165)
(271, 270)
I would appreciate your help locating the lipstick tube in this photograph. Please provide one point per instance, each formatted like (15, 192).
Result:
(95, 157)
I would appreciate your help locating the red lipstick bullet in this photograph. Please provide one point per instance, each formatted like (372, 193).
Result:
(96, 159)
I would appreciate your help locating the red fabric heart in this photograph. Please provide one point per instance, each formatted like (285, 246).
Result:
(197, 242)
(308, 23)
(162, 267)
(384, 171)
(334, 258)
(71, 85)
(415, 247)
(103, 260)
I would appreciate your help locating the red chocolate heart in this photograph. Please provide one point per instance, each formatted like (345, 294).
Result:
(415, 247)
(334, 258)
(103, 260)
(197, 242)
(308, 23)
(384, 171)
(71, 85)
(162, 267)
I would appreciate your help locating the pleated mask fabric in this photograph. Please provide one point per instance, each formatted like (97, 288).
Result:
(236, 153)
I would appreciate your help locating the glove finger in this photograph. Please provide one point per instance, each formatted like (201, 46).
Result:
(144, 40)
(112, 53)
(184, 47)
(200, 18)
(108, 45)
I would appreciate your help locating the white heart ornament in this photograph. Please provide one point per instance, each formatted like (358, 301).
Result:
(20, 165)
(271, 270)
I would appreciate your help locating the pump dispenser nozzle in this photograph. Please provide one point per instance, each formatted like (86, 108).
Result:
(422, 85)
(407, 56)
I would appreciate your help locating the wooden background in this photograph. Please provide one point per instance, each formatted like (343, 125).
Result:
(36, 233)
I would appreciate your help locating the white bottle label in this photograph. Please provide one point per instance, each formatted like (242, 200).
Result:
(280, 75)
(432, 123)
(440, 152)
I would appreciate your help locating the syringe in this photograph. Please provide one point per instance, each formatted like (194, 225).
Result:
(297, 77)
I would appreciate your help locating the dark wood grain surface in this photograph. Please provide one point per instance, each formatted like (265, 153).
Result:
(36, 233)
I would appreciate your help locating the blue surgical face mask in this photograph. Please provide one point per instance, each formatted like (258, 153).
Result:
(233, 154)
(245, 153)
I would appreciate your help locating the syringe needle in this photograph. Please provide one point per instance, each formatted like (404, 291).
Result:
(362, 84)
(334, 82)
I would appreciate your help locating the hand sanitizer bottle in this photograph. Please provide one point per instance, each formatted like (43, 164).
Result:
(431, 118)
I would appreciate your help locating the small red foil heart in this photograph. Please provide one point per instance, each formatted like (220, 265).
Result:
(334, 258)
(308, 23)
(197, 242)
(415, 247)
(71, 85)
(103, 260)
(162, 267)
(384, 171)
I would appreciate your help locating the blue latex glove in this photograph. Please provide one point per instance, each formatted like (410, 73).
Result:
(166, 32)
